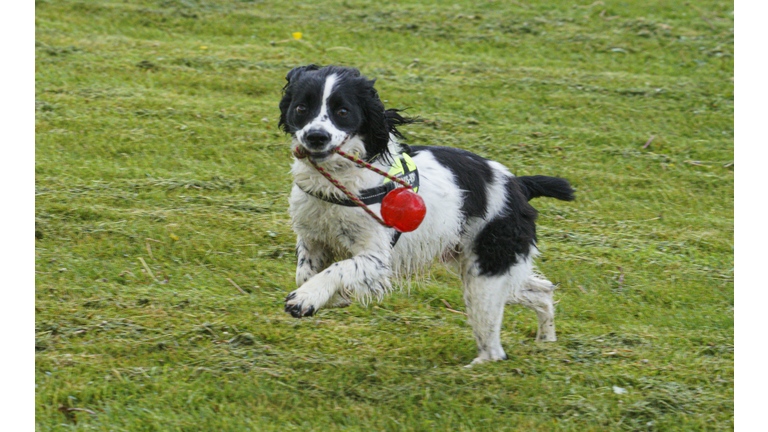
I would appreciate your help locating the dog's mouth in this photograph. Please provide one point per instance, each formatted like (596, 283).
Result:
(319, 156)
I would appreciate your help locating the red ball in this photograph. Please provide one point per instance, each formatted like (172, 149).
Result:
(403, 209)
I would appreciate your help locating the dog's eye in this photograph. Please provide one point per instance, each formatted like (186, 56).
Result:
(301, 109)
(342, 112)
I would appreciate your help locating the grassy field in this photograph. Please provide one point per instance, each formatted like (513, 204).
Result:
(162, 182)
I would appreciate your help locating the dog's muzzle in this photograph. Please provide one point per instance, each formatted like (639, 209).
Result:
(316, 139)
(315, 144)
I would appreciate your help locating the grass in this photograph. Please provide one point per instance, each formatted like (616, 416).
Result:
(162, 181)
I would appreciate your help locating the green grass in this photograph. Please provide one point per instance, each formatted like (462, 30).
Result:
(156, 139)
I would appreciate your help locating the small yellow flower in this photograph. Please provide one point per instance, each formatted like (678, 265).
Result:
(203, 47)
(296, 35)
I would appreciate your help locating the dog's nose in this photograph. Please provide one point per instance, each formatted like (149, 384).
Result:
(317, 139)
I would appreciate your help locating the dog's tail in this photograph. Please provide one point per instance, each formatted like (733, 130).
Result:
(539, 185)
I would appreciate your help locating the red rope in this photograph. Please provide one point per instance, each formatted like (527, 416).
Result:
(301, 154)
(372, 168)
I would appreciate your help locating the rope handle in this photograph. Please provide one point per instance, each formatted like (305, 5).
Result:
(300, 154)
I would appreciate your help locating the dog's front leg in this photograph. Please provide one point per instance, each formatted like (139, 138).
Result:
(364, 276)
(311, 257)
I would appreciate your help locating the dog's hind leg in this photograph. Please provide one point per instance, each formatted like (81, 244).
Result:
(484, 299)
(536, 294)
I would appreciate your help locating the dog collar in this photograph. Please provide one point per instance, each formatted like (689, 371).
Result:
(403, 168)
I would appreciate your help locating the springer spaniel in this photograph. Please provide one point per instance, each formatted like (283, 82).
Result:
(478, 216)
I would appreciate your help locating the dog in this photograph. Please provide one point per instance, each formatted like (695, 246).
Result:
(478, 216)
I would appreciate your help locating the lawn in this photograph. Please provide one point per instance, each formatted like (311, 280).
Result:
(164, 249)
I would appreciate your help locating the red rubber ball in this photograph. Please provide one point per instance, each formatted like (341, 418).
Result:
(403, 209)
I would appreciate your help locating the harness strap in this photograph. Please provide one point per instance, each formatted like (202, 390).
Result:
(372, 195)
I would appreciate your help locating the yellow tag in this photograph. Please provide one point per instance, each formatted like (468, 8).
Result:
(397, 168)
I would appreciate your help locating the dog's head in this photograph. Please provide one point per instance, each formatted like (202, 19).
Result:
(322, 107)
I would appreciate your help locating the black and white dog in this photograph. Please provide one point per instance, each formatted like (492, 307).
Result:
(478, 216)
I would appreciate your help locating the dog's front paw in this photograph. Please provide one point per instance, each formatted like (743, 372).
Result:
(302, 303)
(310, 297)
(297, 307)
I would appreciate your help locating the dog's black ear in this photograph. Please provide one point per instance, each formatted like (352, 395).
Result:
(379, 122)
(394, 119)
(376, 127)
(285, 102)
(295, 72)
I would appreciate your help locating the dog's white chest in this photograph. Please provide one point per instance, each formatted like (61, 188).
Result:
(340, 227)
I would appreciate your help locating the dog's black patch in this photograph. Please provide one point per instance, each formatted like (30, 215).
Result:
(472, 172)
(509, 234)
(311, 92)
